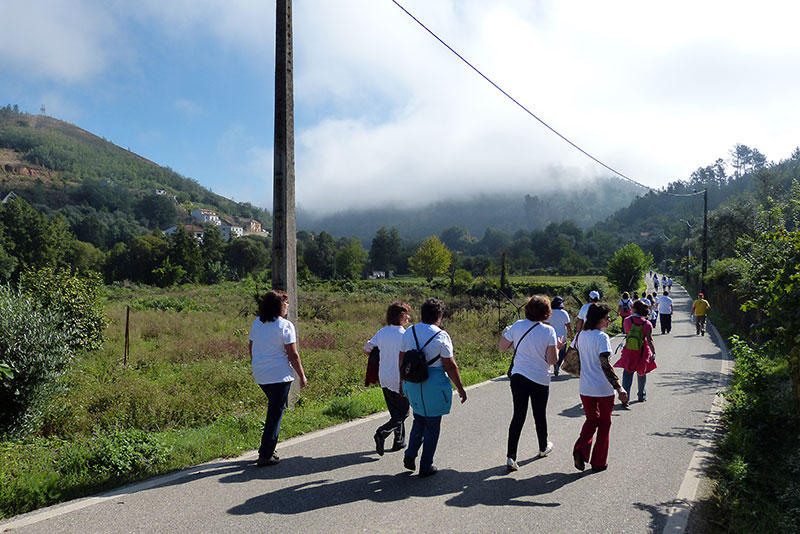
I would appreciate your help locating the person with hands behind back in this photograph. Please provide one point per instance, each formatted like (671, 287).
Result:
(597, 387)
(273, 355)
(431, 399)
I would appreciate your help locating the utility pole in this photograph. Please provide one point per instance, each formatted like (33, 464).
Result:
(284, 230)
(705, 241)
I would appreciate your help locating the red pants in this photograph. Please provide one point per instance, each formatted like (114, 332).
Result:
(598, 418)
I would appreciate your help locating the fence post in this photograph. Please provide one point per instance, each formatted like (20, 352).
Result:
(127, 336)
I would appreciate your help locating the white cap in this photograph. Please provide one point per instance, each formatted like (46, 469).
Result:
(594, 295)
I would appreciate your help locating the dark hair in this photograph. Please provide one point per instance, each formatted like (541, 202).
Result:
(431, 310)
(666, 293)
(270, 307)
(641, 308)
(626, 295)
(537, 308)
(394, 314)
(596, 313)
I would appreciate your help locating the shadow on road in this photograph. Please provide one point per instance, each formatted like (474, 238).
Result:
(689, 381)
(488, 487)
(658, 514)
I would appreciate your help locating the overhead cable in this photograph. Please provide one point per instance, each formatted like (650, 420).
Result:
(529, 112)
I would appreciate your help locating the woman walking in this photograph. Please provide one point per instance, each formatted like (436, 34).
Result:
(560, 321)
(638, 351)
(535, 350)
(273, 355)
(597, 387)
(432, 398)
(388, 340)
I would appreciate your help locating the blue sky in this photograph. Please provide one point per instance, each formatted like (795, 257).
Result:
(386, 115)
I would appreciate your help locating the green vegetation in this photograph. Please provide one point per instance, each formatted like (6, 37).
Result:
(431, 259)
(626, 269)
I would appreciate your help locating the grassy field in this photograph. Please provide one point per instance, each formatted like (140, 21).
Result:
(185, 395)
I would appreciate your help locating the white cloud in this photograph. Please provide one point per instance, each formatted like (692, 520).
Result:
(68, 42)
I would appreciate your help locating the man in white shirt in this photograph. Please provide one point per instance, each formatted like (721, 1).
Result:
(665, 312)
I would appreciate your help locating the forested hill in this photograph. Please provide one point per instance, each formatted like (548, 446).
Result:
(669, 224)
(585, 203)
(56, 164)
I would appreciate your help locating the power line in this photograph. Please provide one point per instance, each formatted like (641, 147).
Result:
(529, 112)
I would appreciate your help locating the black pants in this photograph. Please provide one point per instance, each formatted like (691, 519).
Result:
(666, 322)
(398, 411)
(277, 395)
(523, 389)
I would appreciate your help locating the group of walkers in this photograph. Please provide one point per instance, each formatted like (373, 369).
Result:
(539, 341)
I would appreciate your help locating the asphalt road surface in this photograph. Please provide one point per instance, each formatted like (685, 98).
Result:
(333, 481)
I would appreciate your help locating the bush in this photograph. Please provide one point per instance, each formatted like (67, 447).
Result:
(626, 269)
(76, 300)
(37, 347)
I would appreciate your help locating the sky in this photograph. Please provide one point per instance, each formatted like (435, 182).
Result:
(386, 115)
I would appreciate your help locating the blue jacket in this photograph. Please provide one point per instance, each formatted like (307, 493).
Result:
(430, 398)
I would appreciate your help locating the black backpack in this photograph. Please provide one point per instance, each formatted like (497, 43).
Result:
(626, 305)
(415, 365)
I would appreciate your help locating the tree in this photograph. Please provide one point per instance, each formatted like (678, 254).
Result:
(385, 249)
(320, 255)
(156, 211)
(431, 259)
(146, 253)
(457, 238)
(184, 251)
(350, 260)
(245, 256)
(626, 269)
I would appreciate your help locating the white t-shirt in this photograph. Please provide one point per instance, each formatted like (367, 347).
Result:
(664, 304)
(559, 320)
(269, 362)
(388, 339)
(440, 345)
(584, 310)
(592, 343)
(530, 360)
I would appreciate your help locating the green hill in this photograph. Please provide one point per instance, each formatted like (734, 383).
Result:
(57, 166)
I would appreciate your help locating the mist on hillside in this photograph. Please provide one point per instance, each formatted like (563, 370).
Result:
(529, 207)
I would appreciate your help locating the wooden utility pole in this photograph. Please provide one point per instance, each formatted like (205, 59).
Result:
(284, 231)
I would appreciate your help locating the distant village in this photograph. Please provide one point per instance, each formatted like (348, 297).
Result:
(229, 231)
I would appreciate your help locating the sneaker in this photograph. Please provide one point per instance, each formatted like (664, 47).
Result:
(409, 463)
(512, 465)
(378, 444)
(598, 468)
(580, 463)
(428, 472)
(547, 450)
(264, 461)
(398, 447)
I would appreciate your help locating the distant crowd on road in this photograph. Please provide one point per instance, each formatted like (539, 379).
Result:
(417, 366)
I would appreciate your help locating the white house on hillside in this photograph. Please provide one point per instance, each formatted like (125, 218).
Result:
(229, 232)
(206, 216)
(196, 230)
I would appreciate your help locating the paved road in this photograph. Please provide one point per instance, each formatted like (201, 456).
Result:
(332, 481)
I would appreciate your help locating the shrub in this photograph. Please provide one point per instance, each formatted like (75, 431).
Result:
(36, 347)
(76, 300)
(626, 269)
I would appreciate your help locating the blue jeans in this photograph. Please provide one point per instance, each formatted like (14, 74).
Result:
(277, 395)
(561, 354)
(627, 382)
(424, 433)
